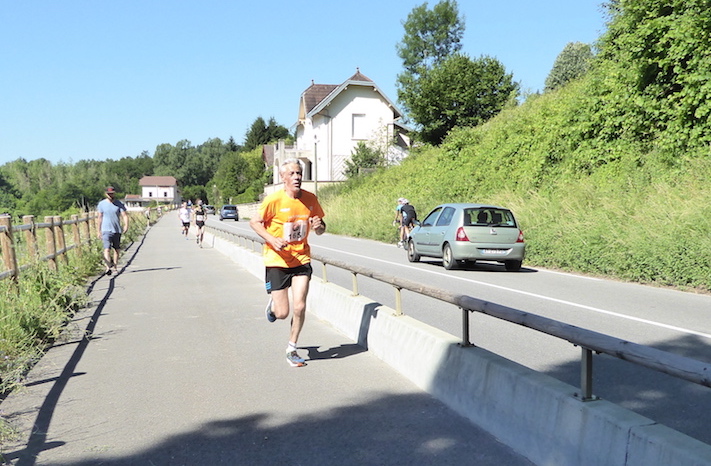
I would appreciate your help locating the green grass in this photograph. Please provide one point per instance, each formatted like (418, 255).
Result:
(618, 208)
(35, 309)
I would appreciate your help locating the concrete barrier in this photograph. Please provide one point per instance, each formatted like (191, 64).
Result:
(536, 415)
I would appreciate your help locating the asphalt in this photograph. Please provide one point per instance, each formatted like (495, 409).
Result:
(174, 363)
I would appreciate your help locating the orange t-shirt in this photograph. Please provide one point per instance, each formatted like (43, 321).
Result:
(288, 218)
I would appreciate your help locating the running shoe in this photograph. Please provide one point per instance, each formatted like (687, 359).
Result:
(270, 315)
(294, 359)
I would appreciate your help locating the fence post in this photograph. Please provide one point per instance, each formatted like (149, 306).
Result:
(51, 245)
(92, 231)
(8, 246)
(31, 237)
(86, 230)
(76, 234)
(59, 234)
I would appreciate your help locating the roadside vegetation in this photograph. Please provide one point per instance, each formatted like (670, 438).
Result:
(35, 309)
(607, 174)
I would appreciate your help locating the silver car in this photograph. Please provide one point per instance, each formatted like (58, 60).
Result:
(461, 233)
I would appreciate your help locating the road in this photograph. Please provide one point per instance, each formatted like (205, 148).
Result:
(173, 363)
(663, 318)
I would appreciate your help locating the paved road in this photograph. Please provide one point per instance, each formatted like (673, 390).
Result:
(182, 368)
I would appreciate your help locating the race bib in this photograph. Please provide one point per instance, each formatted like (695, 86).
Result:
(295, 231)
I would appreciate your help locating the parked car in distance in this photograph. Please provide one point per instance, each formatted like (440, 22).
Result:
(466, 233)
(210, 209)
(229, 211)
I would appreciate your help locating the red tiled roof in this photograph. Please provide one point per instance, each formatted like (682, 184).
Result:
(315, 94)
(158, 181)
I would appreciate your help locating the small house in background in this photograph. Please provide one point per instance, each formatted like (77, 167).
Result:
(160, 189)
(332, 120)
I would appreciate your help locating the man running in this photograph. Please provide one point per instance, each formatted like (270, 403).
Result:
(284, 221)
(184, 215)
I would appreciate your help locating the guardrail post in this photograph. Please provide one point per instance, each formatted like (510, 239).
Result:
(354, 281)
(76, 234)
(324, 276)
(398, 301)
(31, 237)
(586, 372)
(59, 237)
(465, 328)
(8, 246)
(51, 244)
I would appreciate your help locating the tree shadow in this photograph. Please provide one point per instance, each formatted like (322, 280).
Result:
(387, 430)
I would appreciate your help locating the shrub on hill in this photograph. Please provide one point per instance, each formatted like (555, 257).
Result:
(608, 175)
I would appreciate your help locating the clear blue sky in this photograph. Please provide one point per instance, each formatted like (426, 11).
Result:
(110, 79)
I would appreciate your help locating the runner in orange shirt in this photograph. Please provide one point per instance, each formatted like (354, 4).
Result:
(284, 221)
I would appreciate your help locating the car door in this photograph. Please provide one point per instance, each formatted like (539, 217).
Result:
(438, 232)
(422, 234)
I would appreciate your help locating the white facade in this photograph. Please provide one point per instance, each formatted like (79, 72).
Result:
(159, 193)
(333, 119)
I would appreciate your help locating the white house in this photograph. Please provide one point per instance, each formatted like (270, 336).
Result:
(332, 119)
(161, 189)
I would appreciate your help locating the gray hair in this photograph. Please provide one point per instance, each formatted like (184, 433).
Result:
(290, 161)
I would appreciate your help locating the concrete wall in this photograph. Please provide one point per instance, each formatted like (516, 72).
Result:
(534, 414)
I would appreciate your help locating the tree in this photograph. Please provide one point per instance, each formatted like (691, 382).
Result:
(572, 63)
(261, 133)
(430, 37)
(460, 92)
(363, 156)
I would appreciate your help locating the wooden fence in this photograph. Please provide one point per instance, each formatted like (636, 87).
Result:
(23, 247)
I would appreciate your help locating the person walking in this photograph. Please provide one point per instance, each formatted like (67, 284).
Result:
(284, 221)
(184, 214)
(199, 214)
(111, 213)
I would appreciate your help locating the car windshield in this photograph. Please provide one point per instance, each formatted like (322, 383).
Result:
(488, 216)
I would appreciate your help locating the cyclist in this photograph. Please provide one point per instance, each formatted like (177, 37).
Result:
(408, 215)
(398, 221)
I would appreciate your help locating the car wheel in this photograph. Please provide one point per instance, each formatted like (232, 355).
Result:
(447, 259)
(512, 266)
(412, 255)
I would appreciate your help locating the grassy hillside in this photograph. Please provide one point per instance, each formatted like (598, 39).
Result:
(609, 175)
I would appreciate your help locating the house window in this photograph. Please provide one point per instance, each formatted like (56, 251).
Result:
(150, 194)
(359, 126)
(165, 193)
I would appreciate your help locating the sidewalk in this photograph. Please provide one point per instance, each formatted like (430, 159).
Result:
(182, 368)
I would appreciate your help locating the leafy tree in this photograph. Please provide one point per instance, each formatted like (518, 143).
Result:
(572, 63)
(261, 133)
(363, 156)
(241, 176)
(430, 37)
(460, 92)
(650, 81)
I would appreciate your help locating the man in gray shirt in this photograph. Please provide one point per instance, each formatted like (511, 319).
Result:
(111, 213)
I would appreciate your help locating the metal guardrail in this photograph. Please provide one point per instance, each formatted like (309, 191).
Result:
(589, 341)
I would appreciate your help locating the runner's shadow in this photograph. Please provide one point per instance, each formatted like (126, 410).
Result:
(337, 352)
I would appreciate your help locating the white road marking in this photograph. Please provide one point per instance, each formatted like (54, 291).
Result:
(534, 295)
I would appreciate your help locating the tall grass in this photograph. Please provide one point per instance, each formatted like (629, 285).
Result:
(616, 209)
(35, 309)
